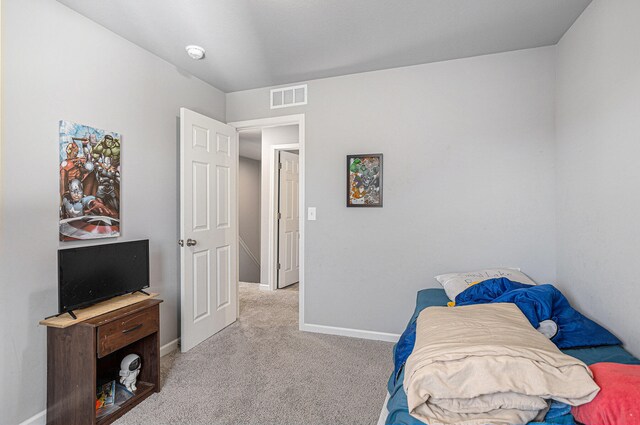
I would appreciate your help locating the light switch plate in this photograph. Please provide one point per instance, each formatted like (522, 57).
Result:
(311, 213)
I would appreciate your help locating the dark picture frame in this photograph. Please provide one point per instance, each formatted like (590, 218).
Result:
(364, 180)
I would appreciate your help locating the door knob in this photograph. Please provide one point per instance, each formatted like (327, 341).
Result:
(191, 242)
(180, 242)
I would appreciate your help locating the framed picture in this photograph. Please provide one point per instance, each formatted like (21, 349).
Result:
(89, 160)
(364, 180)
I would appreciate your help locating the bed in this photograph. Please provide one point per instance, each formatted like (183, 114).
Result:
(396, 408)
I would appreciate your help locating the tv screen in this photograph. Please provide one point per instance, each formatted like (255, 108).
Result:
(91, 274)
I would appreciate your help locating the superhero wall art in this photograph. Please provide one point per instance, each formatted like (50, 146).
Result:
(89, 182)
(364, 180)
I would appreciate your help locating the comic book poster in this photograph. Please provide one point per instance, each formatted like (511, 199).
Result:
(89, 182)
(364, 180)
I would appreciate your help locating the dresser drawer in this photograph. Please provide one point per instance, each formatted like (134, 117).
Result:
(115, 335)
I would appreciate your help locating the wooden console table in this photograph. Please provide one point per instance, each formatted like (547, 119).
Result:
(82, 355)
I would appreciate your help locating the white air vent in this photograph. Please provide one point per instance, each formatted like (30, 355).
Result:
(289, 96)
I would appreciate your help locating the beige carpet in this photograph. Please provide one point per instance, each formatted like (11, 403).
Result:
(261, 370)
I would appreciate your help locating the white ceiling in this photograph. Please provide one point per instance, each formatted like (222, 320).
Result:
(259, 43)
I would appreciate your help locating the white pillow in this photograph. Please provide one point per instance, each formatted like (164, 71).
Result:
(454, 283)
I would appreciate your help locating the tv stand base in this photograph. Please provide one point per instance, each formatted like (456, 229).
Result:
(60, 314)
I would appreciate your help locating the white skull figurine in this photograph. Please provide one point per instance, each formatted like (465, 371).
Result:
(129, 370)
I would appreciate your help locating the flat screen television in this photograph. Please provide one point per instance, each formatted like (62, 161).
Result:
(91, 274)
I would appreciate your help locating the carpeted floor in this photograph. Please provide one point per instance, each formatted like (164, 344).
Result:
(262, 370)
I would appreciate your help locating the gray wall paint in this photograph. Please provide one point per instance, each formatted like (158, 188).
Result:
(468, 180)
(250, 147)
(469, 173)
(598, 175)
(63, 66)
(249, 217)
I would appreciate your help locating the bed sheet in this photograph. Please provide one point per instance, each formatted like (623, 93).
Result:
(397, 404)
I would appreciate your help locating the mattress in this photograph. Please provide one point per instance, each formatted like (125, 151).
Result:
(397, 405)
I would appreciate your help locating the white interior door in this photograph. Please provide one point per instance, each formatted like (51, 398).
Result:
(208, 150)
(289, 221)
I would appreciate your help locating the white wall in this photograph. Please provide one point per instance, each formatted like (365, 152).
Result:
(280, 135)
(598, 193)
(249, 217)
(468, 180)
(64, 66)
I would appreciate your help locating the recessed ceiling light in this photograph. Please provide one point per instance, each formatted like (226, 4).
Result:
(195, 52)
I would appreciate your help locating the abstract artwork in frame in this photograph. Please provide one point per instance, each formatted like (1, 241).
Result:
(364, 180)
(89, 161)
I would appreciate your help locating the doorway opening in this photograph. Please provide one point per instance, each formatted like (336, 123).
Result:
(271, 218)
(265, 155)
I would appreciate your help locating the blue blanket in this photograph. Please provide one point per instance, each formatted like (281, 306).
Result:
(538, 303)
(397, 405)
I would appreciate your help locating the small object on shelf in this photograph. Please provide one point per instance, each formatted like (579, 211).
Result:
(122, 394)
(105, 399)
(106, 410)
(105, 395)
(129, 370)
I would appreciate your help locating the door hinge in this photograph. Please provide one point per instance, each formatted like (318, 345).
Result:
(279, 216)
(278, 266)
(280, 166)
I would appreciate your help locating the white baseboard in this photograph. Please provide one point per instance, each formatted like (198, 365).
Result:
(354, 333)
(264, 287)
(37, 419)
(169, 347)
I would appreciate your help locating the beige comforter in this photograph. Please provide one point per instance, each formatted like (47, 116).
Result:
(485, 365)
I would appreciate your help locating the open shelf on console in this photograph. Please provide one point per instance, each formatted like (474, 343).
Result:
(144, 390)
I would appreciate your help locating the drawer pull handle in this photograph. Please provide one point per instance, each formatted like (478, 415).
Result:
(126, 331)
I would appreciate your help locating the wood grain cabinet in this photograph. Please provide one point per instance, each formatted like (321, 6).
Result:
(85, 354)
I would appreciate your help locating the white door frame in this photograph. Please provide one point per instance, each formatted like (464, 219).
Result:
(262, 123)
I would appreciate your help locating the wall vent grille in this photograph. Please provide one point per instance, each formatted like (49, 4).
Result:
(288, 96)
